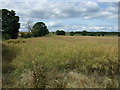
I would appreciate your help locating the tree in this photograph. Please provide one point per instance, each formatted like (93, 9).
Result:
(103, 35)
(60, 32)
(98, 34)
(10, 24)
(39, 29)
(72, 33)
(84, 33)
(93, 34)
(29, 25)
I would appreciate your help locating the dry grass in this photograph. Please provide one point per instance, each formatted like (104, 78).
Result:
(65, 62)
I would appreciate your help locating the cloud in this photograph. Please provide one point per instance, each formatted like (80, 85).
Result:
(53, 10)
(101, 15)
(54, 24)
(37, 10)
(24, 0)
(108, 0)
(48, 10)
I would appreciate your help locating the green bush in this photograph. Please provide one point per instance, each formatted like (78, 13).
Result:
(72, 33)
(25, 35)
(103, 35)
(84, 33)
(60, 32)
(98, 34)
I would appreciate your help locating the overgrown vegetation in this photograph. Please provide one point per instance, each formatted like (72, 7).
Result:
(10, 24)
(25, 34)
(9, 52)
(62, 62)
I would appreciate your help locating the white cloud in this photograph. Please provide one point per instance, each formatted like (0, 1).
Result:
(6, 0)
(108, 0)
(24, 0)
(87, 10)
(54, 24)
(38, 10)
(53, 9)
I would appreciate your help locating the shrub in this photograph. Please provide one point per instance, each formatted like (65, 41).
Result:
(72, 33)
(98, 34)
(11, 41)
(25, 35)
(22, 34)
(103, 35)
(58, 32)
(92, 34)
(84, 33)
(28, 35)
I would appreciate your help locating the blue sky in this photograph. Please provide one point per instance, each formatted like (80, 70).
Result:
(66, 15)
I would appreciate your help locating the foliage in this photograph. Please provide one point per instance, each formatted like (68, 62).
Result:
(96, 33)
(39, 29)
(84, 33)
(72, 33)
(102, 34)
(12, 41)
(60, 32)
(10, 24)
(5, 36)
(93, 34)
(25, 34)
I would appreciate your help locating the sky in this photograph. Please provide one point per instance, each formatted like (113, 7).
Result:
(68, 15)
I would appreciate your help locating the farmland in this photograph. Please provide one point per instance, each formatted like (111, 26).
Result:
(61, 62)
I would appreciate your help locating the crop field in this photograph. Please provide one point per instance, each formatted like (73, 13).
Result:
(61, 62)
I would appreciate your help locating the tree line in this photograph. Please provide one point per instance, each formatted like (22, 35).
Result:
(10, 26)
(85, 33)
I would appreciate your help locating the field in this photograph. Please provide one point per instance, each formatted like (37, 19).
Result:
(61, 62)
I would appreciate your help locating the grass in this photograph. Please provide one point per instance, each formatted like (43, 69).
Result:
(62, 62)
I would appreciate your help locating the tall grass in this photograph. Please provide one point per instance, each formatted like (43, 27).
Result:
(66, 62)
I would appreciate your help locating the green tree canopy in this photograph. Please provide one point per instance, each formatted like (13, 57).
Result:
(60, 32)
(84, 33)
(39, 29)
(72, 33)
(10, 24)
